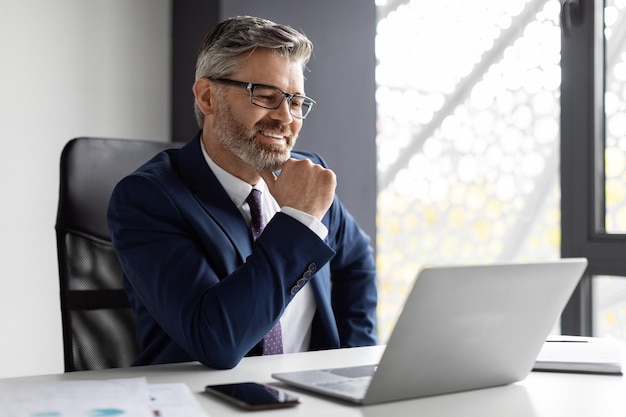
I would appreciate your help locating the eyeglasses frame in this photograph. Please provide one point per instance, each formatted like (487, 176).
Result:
(251, 86)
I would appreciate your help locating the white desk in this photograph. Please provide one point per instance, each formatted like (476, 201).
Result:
(539, 395)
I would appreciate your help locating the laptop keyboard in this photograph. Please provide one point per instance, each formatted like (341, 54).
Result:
(355, 387)
(354, 371)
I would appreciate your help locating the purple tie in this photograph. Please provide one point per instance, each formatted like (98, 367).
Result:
(256, 222)
(273, 341)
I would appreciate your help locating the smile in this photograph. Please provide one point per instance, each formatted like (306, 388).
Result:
(272, 135)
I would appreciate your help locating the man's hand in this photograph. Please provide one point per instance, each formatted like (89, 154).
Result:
(303, 185)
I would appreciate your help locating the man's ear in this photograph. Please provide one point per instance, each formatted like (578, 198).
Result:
(204, 92)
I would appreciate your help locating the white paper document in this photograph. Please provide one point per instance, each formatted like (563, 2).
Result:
(174, 400)
(580, 354)
(111, 398)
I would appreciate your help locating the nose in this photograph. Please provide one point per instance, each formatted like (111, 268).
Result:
(282, 113)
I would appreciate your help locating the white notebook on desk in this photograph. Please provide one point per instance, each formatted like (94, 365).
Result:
(596, 355)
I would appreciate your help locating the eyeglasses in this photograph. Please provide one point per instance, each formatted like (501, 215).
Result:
(270, 97)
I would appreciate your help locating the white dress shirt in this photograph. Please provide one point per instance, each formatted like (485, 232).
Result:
(298, 316)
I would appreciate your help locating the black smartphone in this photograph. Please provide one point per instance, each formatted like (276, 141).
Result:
(253, 396)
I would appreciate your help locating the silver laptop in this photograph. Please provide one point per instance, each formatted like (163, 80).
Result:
(461, 328)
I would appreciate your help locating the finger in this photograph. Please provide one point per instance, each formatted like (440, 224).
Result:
(268, 176)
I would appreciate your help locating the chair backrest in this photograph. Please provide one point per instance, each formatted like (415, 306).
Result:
(98, 323)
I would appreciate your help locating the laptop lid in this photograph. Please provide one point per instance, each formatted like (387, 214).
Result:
(466, 327)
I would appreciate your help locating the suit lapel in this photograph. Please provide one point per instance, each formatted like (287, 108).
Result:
(196, 173)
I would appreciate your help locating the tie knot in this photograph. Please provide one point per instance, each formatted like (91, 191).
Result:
(256, 215)
(254, 198)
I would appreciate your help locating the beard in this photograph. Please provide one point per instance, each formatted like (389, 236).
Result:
(241, 141)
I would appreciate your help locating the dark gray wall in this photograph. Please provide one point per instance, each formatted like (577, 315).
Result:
(342, 127)
(191, 21)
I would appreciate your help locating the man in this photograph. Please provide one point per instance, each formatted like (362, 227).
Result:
(212, 276)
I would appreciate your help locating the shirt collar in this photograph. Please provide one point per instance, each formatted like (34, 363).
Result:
(237, 189)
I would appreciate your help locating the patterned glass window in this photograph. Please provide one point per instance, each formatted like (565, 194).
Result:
(615, 113)
(468, 137)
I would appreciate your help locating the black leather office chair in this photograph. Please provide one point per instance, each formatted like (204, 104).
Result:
(98, 324)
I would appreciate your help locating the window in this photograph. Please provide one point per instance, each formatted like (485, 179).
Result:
(468, 140)
(615, 110)
(478, 159)
(592, 159)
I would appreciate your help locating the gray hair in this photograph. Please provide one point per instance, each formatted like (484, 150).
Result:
(224, 47)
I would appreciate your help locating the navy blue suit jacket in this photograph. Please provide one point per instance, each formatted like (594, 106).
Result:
(201, 290)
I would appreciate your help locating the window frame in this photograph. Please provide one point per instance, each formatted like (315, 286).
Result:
(583, 231)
